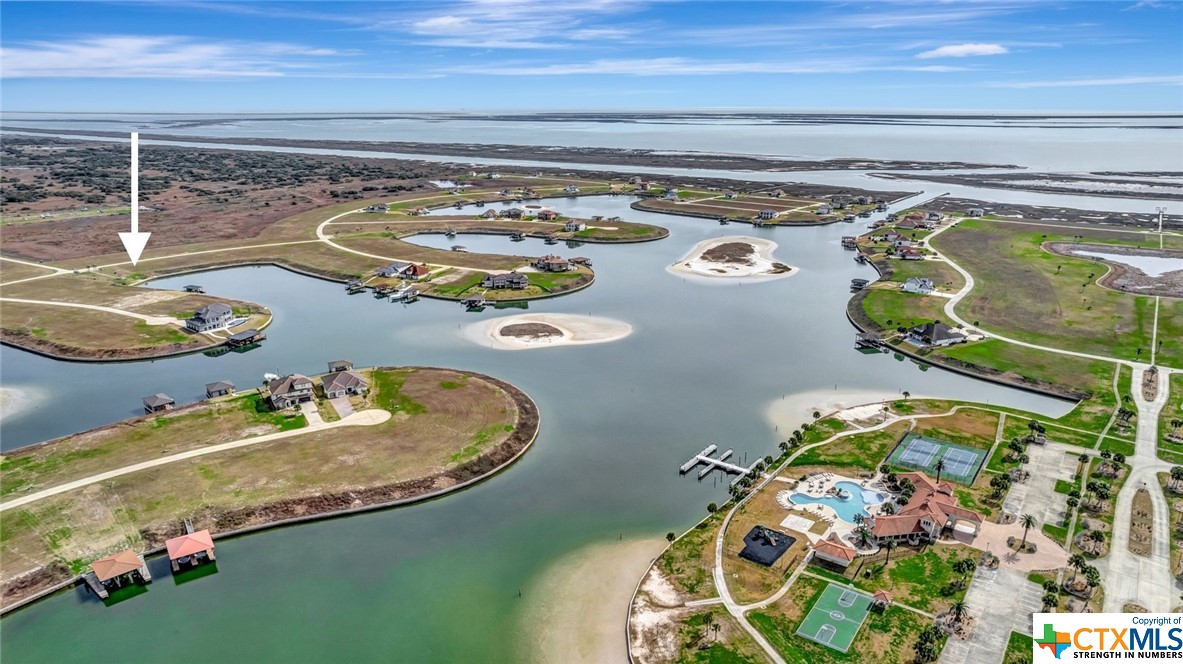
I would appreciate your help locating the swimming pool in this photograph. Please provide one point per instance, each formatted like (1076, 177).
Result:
(847, 508)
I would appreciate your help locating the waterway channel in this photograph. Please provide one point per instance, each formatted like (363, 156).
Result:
(451, 580)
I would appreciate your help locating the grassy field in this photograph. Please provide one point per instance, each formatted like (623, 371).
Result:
(922, 577)
(1170, 438)
(860, 452)
(434, 430)
(1030, 294)
(12, 271)
(687, 564)
(1018, 649)
(886, 637)
(891, 308)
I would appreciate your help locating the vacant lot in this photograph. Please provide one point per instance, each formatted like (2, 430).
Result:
(1030, 294)
(439, 436)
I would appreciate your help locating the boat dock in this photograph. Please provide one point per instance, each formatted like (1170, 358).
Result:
(869, 340)
(716, 463)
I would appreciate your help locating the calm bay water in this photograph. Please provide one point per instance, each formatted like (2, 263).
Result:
(439, 582)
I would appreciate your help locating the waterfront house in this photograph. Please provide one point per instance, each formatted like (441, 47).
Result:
(393, 270)
(931, 510)
(158, 402)
(934, 335)
(493, 176)
(120, 569)
(415, 272)
(645, 186)
(824, 209)
(547, 215)
(551, 263)
(730, 195)
(289, 390)
(636, 179)
(892, 217)
(975, 212)
(512, 213)
(892, 236)
(777, 193)
(908, 253)
(768, 214)
(574, 226)
(921, 285)
(670, 195)
(219, 388)
(210, 317)
(190, 549)
(834, 551)
(193, 288)
(514, 280)
(340, 365)
(908, 225)
(341, 383)
(862, 200)
(571, 189)
(933, 216)
(838, 203)
(489, 214)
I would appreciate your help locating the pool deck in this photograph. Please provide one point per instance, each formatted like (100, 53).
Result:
(819, 485)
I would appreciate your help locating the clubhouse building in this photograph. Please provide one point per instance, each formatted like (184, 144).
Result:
(931, 510)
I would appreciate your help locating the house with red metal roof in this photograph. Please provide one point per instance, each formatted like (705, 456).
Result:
(189, 549)
(931, 510)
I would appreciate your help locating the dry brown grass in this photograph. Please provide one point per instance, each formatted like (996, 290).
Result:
(748, 581)
(437, 429)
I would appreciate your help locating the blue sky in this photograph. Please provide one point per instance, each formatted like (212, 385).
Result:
(591, 54)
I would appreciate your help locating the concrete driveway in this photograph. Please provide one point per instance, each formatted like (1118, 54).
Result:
(992, 537)
(343, 407)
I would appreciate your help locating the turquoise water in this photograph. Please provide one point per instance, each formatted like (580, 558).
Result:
(847, 508)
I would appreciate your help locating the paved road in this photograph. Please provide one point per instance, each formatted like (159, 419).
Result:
(151, 320)
(1146, 580)
(362, 418)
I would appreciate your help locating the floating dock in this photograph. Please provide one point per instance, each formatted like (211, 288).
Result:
(717, 463)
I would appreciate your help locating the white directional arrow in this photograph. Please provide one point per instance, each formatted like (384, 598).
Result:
(135, 241)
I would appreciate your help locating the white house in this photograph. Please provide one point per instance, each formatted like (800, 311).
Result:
(571, 189)
(670, 195)
(573, 226)
(921, 285)
(214, 316)
(769, 214)
(823, 209)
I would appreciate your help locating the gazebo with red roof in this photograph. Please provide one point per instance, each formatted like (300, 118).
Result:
(189, 548)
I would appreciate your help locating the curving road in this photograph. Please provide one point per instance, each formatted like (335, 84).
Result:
(151, 320)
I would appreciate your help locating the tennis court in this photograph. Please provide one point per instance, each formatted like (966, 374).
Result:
(836, 617)
(960, 463)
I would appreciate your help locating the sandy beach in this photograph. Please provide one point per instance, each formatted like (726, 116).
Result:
(796, 409)
(711, 259)
(15, 400)
(530, 331)
(578, 606)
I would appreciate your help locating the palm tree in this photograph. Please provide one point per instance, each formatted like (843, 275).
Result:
(940, 466)
(715, 628)
(1028, 522)
(863, 537)
(958, 610)
(1176, 475)
(1050, 600)
(1072, 503)
(1077, 563)
(1082, 460)
(708, 621)
(1098, 538)
(888, 546)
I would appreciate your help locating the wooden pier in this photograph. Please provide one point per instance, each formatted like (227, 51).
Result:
(869, 340)
(716, 463)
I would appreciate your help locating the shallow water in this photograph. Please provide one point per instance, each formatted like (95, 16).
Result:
(1153, 266)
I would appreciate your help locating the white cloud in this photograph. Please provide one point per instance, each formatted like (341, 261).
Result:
(678, 66)
(963, 50)
(131, 56)
(1089, 82)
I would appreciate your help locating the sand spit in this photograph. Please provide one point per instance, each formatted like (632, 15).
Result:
(725, 258)
(851, 405)
(578, 606)
(529, 331)
(16, 400)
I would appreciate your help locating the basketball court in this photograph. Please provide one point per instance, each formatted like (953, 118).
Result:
(836, 617)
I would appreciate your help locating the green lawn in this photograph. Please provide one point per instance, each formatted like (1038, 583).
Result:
(1028, 293)
(1018, 649)
(1064, 486)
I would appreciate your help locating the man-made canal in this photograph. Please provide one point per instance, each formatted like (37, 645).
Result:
(440, 582)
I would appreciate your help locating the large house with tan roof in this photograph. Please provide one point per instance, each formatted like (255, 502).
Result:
(931, 510)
